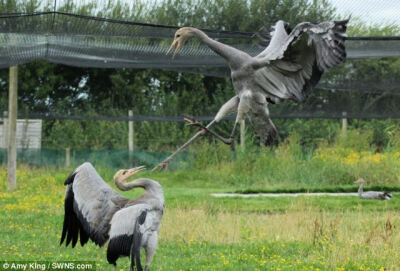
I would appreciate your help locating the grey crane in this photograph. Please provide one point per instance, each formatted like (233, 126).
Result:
(288, 68)
(93, 210)
(371, 194)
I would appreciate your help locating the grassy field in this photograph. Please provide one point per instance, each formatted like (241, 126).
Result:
(204, 233)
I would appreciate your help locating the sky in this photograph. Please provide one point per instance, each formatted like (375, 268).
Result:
(371, 11)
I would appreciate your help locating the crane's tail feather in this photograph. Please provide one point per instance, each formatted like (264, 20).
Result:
(137, 242)
(271, 138)
(118, 246)
(264, 128)
(387, 195)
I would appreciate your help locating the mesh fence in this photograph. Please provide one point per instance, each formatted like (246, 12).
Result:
(115, 159)
(86, 41)
(327, 101)
(97, 42)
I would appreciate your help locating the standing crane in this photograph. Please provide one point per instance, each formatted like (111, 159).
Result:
(94, 210)
(288, 68)
(371, 194)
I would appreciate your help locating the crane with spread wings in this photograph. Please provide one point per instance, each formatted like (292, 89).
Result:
(93, 210)
(288, 68)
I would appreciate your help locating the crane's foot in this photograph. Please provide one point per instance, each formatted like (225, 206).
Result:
(228, 141)
(192, 122)
(161, 166)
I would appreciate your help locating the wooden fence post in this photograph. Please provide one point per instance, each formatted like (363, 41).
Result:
(12, 128)
(344, 123)
(5, 129)
(130, 135)
(68, 157)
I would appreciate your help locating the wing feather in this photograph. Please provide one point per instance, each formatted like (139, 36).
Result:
(299, 58)
(89, 206)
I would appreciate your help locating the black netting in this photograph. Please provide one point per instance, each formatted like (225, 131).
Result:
(96, 42)
(321, 103)
(361, 90)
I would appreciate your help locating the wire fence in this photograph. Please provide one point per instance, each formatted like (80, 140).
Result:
(115, 159)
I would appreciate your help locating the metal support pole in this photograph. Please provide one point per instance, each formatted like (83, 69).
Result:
(242, 133)
(12, 128)
(344, 123)
(130, 135)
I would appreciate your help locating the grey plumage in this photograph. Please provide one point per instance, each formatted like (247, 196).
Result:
(371, 194)
(288, 68)
(93, 210)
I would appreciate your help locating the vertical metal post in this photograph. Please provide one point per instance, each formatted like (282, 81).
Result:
(68, 157)
(344, 123)
(130, 134)
(12, 128)
(242, 133)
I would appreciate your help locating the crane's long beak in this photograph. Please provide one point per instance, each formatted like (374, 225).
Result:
(178, 46)
(135, 170)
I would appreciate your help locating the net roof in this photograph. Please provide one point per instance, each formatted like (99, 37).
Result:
(97, 42)
(85, 41)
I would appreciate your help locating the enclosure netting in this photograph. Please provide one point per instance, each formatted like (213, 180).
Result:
(97, 42)
(85, 41)
(115, 159)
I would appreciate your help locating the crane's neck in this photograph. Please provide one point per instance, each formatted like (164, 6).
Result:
(151, 187)
(153, 195)
(234, 56)
(123, 185)
(361, 189)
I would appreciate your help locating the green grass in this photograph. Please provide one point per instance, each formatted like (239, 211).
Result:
(200, 232)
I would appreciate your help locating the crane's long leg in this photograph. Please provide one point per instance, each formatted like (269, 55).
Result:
(203, 131)
(228, 140)
(193, 122)
(228, 107)
(150, 249)
(164, 163)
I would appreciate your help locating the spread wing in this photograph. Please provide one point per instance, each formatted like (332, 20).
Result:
(89, 207)
(294, 62)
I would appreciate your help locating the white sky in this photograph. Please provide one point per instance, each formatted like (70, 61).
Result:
(371, 11)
